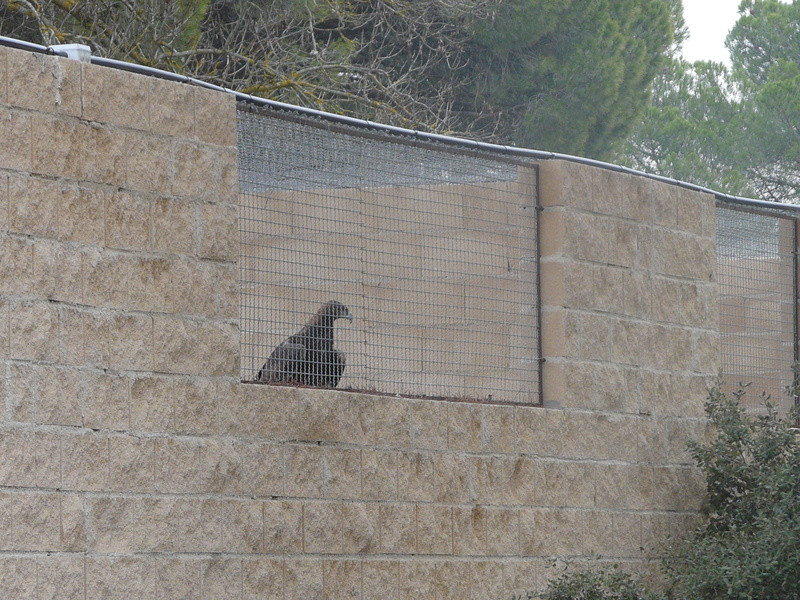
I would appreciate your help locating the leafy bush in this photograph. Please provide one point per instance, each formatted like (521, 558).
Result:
(600, 584)
(748, 545)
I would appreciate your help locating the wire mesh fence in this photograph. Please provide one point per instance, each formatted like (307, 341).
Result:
(757, 274)
(372, 262)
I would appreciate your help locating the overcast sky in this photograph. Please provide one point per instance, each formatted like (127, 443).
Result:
(709, 21)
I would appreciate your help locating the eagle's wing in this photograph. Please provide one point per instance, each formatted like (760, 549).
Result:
(284, 364)
(333, 368)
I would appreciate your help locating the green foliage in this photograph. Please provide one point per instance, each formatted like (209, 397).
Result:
(570, 76)
(748, 545)
(594, 584)
(735, 130)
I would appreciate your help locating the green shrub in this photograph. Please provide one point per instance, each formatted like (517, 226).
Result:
(747, 547)
(591, 584)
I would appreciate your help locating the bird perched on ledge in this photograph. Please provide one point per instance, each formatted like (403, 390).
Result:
(308, 357)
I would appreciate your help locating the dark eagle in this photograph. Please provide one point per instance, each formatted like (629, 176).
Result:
(308, 357)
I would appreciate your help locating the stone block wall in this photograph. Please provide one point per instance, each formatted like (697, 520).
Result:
(134, 464)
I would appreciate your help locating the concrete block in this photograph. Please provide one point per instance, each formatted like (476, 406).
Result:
(434, 529)
(262, 578)
(106, 401)
(178, 579)
(84, 462)
(469, 531)
(397, 528)
(4, 74)
(152, 403)
(222, 578)
(15, 131)
(464, 427)
(217, 349)
(131, 464)
(30, 460)
(416, 580)
(303, 578)
(195, 406)
(220, 467)
(33, 206)
(197, 172)
(429, 425)
(173, 223)
(379, 579)
(44, 83)
(566, 184)
(34, 331)
(218, 232)
(36, 521)
(148, 164)
(81, 214)
(106, 279)
(452, 580)
(170, 108)
(176, 345)
(360, 528)
(502, 531)
(303, 466)
(19, 577)
(16, 266)
(60, 577)
(262, 469)
(283, 527)
(179, 468)
(619, 195)
(127, 221)
(243, 528)
(57, 272)
(627, 532)
(116, 97)
(215, 117)
(341, 473)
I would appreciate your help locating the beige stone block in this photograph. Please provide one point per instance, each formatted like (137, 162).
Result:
(70, 335)
(4, 74)
(341, 473)
(127, 221)
(178, 579)
(4, 336)
(151, 285)
(84, 462)
(429, 424)
(116, 97)
(15, 131)
(417, 477)
(44, 83)
(677, 488)
(215, 117)
(81, 214)
(397, 528)
(57, 394)
(562, 183)
(106, 278)
(121, 577)
(195, 406)
(262, 578)
(434, 529)
(33, 206)
(627, 532)
(170, 108)
(19, 577)
(220, 467)
(620, 195)
(303, 578)
(16, 262)
(705, 352)
(360, 528)
(379, 579)
(106, 401)
(218, 348)
(283, 527)
(197, 171)
(36, 521)
(148, 163)
(531, 432)
(260, 410)
(177, 345)
(303, 466)
(73, 524)
(379, 470)
(502, 531)
(262, 469)
(173, 226)
(34, 331)
(120, 526)
(152, 403)
(416, 579)
(178, 465)
(625, 487)
(30, 460)
(469, 531)
(243, 527)
(131, 464)
(693, 213)
(131, 342)
(60, 577)
(452, 580)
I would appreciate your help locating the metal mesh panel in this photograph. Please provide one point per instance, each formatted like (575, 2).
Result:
(756, 273)
(433, 251)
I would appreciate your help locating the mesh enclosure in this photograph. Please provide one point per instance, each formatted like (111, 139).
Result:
(757, 267)
(432, 250)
